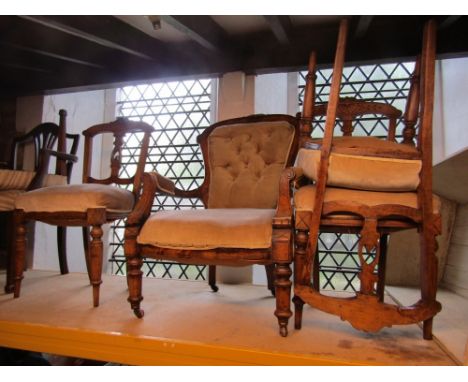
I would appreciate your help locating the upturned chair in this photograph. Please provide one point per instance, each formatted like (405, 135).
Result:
(28, 169)
(89, 205)
(246, 221)
(371, 187)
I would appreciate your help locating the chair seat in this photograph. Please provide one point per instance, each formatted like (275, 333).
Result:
(76, 198)
(15, 179)
(373, 173)
(208, 229)
(304, 200)
(20, 179)
(15, 182)
(7, 199)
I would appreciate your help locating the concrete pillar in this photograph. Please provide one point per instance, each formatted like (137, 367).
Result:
(236, 96)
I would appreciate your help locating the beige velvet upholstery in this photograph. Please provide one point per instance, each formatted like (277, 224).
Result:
(364, 172)
(246, 162)
(76, 198)
(207, 229)
(304, 200)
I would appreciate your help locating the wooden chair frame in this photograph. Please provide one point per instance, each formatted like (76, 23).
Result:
(44, 138)
(366, 310)
(92, 219)
(279, 254)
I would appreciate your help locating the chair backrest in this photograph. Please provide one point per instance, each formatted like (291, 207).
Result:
(244, 158)
(44, 136)
(420, 104)
(120, 129)
(351, 110)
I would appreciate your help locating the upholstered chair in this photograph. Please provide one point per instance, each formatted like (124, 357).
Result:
(246, 220)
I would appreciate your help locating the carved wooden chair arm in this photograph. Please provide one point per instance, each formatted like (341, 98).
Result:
(284, 209)
(43, 167)
(152, 183)
(60, 155)
(195, 193)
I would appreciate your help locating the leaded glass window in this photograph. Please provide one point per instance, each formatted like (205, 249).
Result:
(338, 258)
(179, 111)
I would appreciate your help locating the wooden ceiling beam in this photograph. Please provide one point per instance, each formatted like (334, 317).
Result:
(281, 27)
(448, 22)
(106, 31)
(22, 34)
(202, 29)
(55, 56)
(362, 26)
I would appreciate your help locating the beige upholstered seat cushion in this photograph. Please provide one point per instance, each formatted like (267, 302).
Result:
(7, 199)
(76, 198)
(304, 200)
(246, 161)
(364, 172)
(15, 180)
(207, 229)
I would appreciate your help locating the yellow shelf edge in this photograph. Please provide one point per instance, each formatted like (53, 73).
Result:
(144, 350)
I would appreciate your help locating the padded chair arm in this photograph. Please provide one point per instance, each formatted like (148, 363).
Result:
(284, 209)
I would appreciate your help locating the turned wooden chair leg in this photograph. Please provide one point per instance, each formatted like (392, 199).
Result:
(270, 274)
(428, 271)
(283, 296)
(62, 249)
(134, 283)
(300, 239)
(86, 234)
(382, 267)
(10, 264)
(96, 253)
(212, 278)
(19, 257)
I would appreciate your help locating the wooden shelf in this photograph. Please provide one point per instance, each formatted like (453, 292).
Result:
(187, 324)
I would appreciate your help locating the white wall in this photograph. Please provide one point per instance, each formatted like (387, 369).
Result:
(456, 270)
(450, 108)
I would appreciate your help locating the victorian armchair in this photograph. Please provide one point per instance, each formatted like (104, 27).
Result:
(371, 187)
(89, 205)
(28, 169)
(247, 220)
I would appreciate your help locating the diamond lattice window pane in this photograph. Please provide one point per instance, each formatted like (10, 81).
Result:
(389, 83)
(179, 111)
